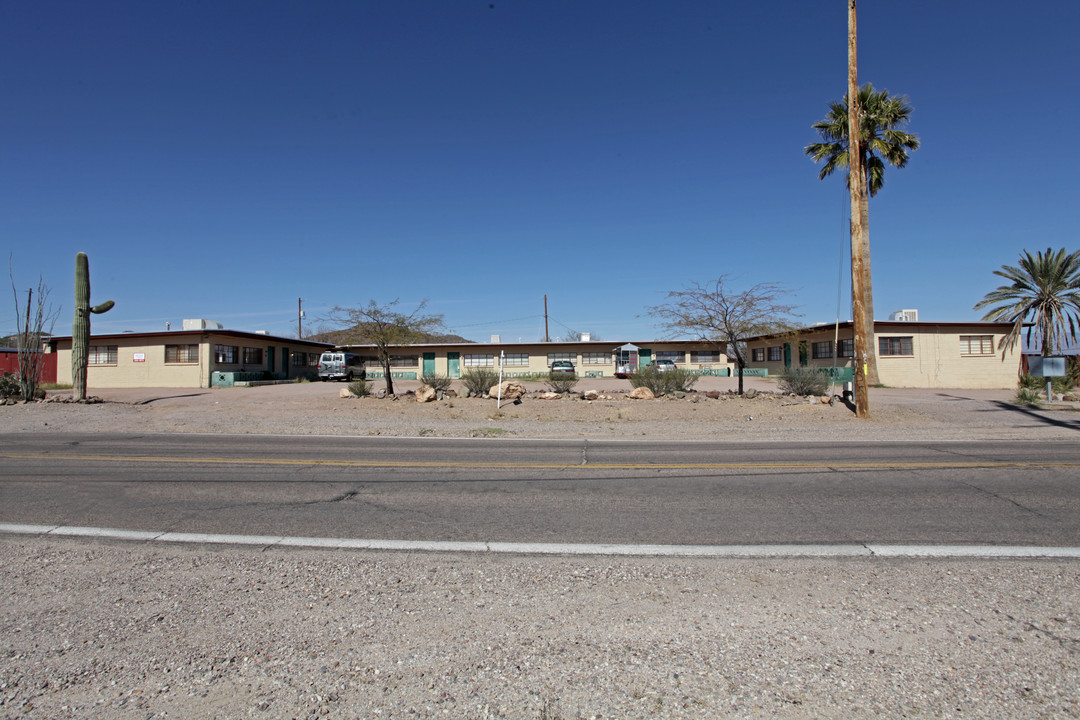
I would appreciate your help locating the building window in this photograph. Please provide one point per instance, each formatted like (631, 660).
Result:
(675, 356)
(552, 357)
(976, 344)
(517, 359)
(312, 359)
(704, 356)
(181, 353)
(822, 350)
(847, 348)
(595, 358)
(300, 359)
(758, 355)
(776, 353)
(253, 356)
(894, 346)
(102, 355)
(405, 360)
(226, 354)
(478, 360)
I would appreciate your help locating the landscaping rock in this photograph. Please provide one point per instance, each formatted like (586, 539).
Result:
(641, 393)
(510, 390)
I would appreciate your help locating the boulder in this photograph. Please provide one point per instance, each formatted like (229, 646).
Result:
(425, 393)
(510, 390)
(346, 393)
(591, 395)
(713, 394)
(750, 393)
(549, 396)
(641, 393)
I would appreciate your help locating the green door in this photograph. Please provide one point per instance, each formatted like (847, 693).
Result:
(429, 363)
(804, 353)
(453, 364)
(285, 362)
(644, 357)
(270, 359)
(787, 356)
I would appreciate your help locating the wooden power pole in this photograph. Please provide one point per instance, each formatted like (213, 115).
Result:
(547, 337)
(857, 184)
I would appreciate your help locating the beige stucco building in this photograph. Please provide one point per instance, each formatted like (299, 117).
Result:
(188, 358)
(910, 354)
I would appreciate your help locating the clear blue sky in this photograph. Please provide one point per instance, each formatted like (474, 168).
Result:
(222, 159)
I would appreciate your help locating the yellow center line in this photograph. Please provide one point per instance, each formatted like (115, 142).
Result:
(955, 464)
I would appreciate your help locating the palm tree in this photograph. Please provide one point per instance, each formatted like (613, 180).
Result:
(1045, 289)
(881, 123)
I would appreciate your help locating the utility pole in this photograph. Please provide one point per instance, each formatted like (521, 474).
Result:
(26, 327)
(857, 184)
(547, 338)
(299, 318)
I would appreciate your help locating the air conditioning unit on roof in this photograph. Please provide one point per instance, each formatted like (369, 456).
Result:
(201, 324)
(905, 316)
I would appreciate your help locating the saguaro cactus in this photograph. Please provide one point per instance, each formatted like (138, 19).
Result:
(80, 328)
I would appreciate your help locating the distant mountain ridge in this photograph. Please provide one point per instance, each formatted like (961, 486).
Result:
(357, 336)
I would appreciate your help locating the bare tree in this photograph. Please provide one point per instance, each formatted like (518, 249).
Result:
(385, 327)
(39, 314)
(726, 317)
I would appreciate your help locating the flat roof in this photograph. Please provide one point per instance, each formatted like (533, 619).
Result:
(196, 333)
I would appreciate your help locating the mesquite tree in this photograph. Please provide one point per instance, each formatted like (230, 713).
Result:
(726, 317)
(80, 327)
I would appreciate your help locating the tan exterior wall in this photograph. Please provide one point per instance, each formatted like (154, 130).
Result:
(593, 360)
(151, 371)
(140, 360)
(937, 359)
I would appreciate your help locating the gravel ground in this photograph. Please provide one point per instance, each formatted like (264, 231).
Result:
(316, 409)
(125, 630)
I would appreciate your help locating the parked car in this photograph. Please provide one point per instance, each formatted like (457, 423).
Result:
(563, 366)
(664, 365)
(341, 366)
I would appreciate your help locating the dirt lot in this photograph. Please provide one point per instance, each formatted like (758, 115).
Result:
(316, 409)
(108, 629)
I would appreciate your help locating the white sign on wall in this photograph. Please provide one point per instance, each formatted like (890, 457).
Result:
(138, 357)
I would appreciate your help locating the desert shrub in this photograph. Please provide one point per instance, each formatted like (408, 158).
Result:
(1027, 396)
(562, 382)
(359, 388)
(1060, 385)
(804, 381)
(663, 383)
(479, 380)
(9, 386)
(680, 379)
(648, 376)
(436, 382)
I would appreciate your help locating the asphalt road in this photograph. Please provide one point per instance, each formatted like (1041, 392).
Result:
(548, 491)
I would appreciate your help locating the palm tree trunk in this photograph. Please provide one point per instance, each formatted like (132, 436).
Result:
(868, 303)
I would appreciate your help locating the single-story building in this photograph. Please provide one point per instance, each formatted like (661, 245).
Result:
(909, 354)
(206, 357)
(592, 358)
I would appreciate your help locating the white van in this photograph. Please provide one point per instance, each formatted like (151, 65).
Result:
(337, 365)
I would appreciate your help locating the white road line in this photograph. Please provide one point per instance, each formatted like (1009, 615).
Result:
(709, 551)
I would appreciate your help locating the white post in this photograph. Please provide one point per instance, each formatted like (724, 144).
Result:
(502, 357)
